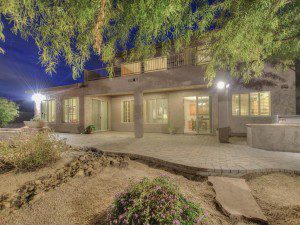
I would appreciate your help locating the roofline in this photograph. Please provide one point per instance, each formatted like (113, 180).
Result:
(50, 89)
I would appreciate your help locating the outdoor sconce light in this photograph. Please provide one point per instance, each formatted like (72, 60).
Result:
(38, 98)
(221, 85)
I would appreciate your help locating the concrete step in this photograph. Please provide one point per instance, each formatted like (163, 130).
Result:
(234, 197)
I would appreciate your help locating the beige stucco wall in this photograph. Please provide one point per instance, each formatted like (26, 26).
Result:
(175, 110)
(174, 85)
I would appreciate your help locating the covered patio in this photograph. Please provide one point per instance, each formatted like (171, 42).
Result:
(195, 151)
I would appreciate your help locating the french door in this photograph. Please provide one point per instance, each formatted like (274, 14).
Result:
(99, 114)
(197, 114)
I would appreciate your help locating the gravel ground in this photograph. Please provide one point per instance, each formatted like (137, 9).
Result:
(85, 200)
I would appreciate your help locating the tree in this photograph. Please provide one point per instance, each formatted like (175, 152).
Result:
(240, 36)
(8, 111)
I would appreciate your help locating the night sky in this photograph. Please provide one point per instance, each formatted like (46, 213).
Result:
(20, 69)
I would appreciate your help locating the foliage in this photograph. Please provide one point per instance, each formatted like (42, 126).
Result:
(154, 202)
(89, 129)
(37, 118)
(31, 150)
(239, 35)
(8, 111)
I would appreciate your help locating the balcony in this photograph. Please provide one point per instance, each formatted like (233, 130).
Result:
(192, 56)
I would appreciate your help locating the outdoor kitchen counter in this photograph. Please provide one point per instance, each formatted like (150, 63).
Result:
(274, 137)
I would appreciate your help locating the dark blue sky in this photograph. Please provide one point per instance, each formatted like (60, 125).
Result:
(20, 69)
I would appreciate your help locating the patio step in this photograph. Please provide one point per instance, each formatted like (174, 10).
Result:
(234, 197)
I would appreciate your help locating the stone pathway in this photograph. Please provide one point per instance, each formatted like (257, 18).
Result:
(201, 153)
(234, 197)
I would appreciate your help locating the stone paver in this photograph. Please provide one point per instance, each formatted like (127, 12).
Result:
(235, 198)
(198, 151)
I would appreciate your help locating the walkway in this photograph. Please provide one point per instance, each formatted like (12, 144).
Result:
(203, 154)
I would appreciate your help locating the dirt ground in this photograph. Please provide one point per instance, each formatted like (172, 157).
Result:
(85, 200)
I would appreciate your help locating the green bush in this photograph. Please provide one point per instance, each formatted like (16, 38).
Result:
(154, 202)
(8, 111)
(31, 150)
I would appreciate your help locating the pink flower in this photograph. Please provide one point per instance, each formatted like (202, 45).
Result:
(176, 222)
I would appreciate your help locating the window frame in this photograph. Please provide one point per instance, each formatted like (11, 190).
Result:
(145, 109)
(249, 104)
(122, 110)
(63, 110)
(55, 107)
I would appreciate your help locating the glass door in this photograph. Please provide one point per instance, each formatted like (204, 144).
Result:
(99, 114)
(197, 114)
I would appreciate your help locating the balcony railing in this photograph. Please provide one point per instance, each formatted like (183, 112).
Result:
(192, 56)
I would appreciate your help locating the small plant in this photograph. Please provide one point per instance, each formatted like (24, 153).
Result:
(171, 129)
(37, 118)
(31, 150)
(154, 202)
(89, 129)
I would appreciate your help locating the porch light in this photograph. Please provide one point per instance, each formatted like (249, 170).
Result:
(221, 85)
(38, 98)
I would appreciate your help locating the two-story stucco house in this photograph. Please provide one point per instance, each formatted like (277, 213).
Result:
(168, 93)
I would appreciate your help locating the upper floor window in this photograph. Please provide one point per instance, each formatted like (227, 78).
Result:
(156, 111)
(127, 111)
(71, 110)
(155, 64)
(253, 104)
(48, 110)
(130, 68)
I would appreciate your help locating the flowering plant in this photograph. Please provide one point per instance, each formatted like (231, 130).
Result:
(154, 202)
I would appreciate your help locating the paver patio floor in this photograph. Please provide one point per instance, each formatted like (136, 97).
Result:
(201, 151)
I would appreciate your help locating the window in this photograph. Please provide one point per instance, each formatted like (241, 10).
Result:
(257, 102)
(240, 104)
(127, 111)
(264, 104)
(156, 111)
(155, 64)
(71, 110)
(48, 110)
(254, 104)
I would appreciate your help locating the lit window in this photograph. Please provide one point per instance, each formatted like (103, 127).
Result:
(127, 111)
(264, 103)
(48, 110)
(235, 105)
(244, 104)
(254, 104)
(156, 111)
(240, 104)
(71, 110)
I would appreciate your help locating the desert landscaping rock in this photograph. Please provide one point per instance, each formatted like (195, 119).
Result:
(234, 196)
(83, 165)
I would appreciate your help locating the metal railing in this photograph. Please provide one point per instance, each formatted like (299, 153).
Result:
(192, 56)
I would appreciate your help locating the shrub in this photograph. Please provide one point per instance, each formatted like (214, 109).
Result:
(31, 150)
(154, 202)
(8, 111)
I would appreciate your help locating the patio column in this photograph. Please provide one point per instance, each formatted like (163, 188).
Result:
(138, 114)
(223, 115)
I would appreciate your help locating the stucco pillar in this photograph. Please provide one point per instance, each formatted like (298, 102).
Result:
(223, 115)
(81, 113)
(297, 87)
(138, 114)
(59, 110)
